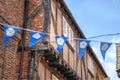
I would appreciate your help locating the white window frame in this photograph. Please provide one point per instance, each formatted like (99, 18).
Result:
(68, 32)
(65, 27)
(71, 37)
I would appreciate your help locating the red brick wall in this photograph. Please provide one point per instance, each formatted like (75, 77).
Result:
(8, 59)
(1, 58)
(12, 13)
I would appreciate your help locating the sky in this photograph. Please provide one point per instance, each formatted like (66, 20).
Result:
(99, 17)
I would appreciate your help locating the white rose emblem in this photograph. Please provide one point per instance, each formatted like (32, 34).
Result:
(83, 44)
(36, 36)
(60, 41)
(10, 32)
(104, 47)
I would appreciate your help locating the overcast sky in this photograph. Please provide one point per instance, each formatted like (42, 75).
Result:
(98, 17)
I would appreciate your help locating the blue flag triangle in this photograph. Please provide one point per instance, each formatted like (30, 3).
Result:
(9, 32)
(82, 45)
(104, 47)
(35, 37)
(60, 41)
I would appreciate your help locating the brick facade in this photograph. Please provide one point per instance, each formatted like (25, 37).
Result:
(11, 12)
(68, 66)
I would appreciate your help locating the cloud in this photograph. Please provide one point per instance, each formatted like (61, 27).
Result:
(111, 54)
(97, 52)
(109, 68)
(110, 62)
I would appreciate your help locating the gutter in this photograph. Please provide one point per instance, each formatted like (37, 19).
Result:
(25, 16)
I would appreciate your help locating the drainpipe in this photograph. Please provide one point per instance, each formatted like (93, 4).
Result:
(23, 37)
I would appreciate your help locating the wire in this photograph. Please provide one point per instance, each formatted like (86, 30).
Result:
(104, 35)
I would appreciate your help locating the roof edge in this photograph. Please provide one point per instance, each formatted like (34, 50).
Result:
(73, 19)
(82, 34)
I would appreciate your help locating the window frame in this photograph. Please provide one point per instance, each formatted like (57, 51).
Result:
(68, 32)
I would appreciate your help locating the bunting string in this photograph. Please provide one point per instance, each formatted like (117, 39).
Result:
(35, 36)
(89, 38)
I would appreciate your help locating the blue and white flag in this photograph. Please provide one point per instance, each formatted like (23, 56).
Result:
(35, 37)
(60, 41)
(104, 47)
(82, 45)
(9, 32)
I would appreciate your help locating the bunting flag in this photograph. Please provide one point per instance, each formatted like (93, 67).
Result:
(9, 32)
(104, 47)
(82, 45)
(60, 41)
(35, 37)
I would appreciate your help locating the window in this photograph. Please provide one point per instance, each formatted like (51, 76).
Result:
(71, 37)
(90, 65)
(65, 27)
(67, 31)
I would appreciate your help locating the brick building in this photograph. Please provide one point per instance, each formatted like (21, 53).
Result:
(42, 61)
(118, 59)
